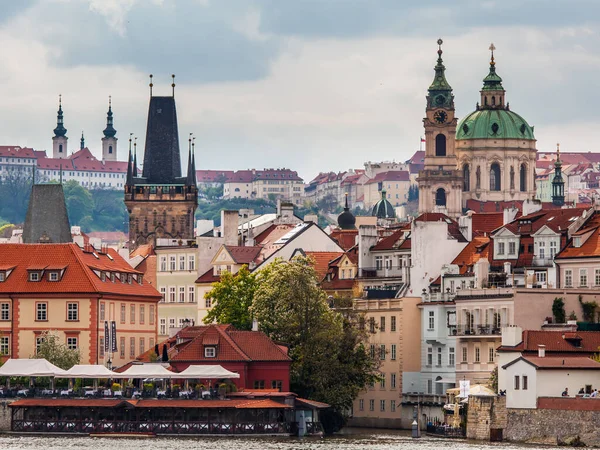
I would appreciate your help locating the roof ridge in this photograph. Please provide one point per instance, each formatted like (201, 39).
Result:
(232, 342)
(86, 268)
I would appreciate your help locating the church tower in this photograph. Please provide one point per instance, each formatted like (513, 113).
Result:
(558, 184)
(59, 141)
(161, 203)
(109, 141)
(440, 182)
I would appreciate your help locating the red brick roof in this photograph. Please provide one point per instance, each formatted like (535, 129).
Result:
(243, 254)
(486, 222)
(475, 250)
(208, 277)
(322, 260)
(557, 220)
(557, 341)
(143, 250)
(233, 345)
(14, 151)
(344, 238)
(562, 362)
(393, 241)
(351, 179)
(78, 276)
(590, 248)
(392, 175)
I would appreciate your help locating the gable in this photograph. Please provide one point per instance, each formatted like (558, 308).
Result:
(222, 257)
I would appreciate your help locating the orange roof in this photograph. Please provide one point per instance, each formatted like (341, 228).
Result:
(208, 277)
(559, 362)
(322, 260)
(590, 248)
(586, 342)
(243, 254)
(345, 238)
(487, 222)
(79, 275)
(475, 250)
(143, 250)
(391, 242)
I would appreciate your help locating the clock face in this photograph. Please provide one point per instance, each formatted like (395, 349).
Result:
(440, 116)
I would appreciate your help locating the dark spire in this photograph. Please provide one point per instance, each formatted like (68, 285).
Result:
(440, 92)
(82, 142)
(558, 184)
(151, 85)
(135, 172)
(47, 219)
(346, 220)
(190, 174)
(109, 131)
(60, 130)
(173, 84)
(194, 161)
(129, 180)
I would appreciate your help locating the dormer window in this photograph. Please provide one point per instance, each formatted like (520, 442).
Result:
(103, 276)
(140, 279)
(53, 276)
(130, 278)
(577, 241)
(112, 277)
(34, 276)
(2, 276)
(210, 352)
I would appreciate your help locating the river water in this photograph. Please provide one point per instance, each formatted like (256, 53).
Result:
(352, 439)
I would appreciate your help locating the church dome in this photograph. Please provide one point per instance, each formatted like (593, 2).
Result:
(494, 124)
(346, 220)
(383, 209)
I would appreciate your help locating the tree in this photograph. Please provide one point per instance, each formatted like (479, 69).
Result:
(232, 299)
(330, 362)
(79, 201)
(55, 351)
(558, 310)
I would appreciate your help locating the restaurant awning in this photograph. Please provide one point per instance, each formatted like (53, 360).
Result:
(90, 371)
(30, 368)
(206, 372)
(146, 371)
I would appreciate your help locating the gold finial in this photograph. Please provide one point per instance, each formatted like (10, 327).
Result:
(151, 85)
(173, 84)
(492, 48)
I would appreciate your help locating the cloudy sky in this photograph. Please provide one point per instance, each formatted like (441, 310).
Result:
(314, 85)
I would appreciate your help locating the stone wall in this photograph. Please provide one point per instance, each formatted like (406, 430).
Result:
(5, 415)
(554, 427)
(485, 415)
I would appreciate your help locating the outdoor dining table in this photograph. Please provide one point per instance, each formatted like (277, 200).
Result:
(185, 394)
(89, 393)
(22, 391)
(47, 392)
(66, 392)
(161, 393)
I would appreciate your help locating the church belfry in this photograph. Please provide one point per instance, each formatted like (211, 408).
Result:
(161, 203)
(59, 141)
(558, 184)
(109, 141)
(440, 183)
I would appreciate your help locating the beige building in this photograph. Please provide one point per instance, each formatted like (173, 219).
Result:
(176, 275)
(396, 328)
(394, 183)
(284, 184)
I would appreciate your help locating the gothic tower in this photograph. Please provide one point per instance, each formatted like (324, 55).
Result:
(109, 141)
(440, 183)
(161, 203)
(59, 141)
(558, 184)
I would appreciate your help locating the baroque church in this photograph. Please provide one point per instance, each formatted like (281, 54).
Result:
(489, 155)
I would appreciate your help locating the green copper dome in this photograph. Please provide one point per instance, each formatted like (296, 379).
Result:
(494, 124)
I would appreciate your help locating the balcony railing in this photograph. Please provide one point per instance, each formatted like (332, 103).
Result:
(482, 293)
(477, 330)
(438, 297)
(542, 262)
(380, 272)
(381, 293)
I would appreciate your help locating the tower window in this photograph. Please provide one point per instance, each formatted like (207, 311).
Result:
(440, 197)
(59, 148)
(523, 178)
(495, 177)
(110, 149)
(493, 101)
(440, 145)
(466, 178)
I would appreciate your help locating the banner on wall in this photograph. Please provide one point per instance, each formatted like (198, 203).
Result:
(106, 337)
(113, 336)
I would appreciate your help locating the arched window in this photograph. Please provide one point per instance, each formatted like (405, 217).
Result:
(440, 197)
(59, 148)
(495, 177)
(523, 178)
(466, 178)
(493, 101)
(110, 149)
(440, 145)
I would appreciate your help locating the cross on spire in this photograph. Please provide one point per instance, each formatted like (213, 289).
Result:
(492, 48)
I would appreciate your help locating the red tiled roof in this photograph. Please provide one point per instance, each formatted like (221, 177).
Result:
(14, 151)
(561, 362)
(243, 254)
(557, 220)
(208, 277)
(337, 284)
(480, 206)
(211, 176)
(453, 228)
(322, 260)
(241, 176)
(417, 158)
(486, 222)
(590, 247)
(78, 275)
(68, 402)
(233, 345)
(313, 403)
(276, 174)
(243, 403)
(392, 175)
(391, 242)
(143, 250)
(557, 341)
(351, 179)
(344, 238)
(475, 250)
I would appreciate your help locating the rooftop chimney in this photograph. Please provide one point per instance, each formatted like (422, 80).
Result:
(541, 351)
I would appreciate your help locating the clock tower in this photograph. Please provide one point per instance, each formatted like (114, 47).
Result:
(440, 181)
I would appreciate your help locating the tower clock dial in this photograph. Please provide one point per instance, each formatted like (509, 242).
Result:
(440, 116)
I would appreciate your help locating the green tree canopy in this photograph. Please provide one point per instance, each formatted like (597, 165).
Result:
(55, 351)
(80, 202)
(330, 362)
(232, 298)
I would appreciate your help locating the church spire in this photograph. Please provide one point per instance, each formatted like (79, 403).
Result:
(440, 91)
(194, 160)
(135, 172)
(558, 184)
(60, 130)
(109, 131)
(492, 93)
(82, 142)
(129, 180)
(190, 172)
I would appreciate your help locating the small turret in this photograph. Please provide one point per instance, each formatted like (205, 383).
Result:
(59, 141)
(109, 141)
(346, 220)
(558, 184)
(82, 142)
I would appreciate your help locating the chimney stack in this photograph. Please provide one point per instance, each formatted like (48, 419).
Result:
(541, 351)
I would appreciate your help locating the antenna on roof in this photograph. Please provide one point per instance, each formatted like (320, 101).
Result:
(151, 85)
(173, 84)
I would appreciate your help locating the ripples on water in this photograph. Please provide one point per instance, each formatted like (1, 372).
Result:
(351, 440)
